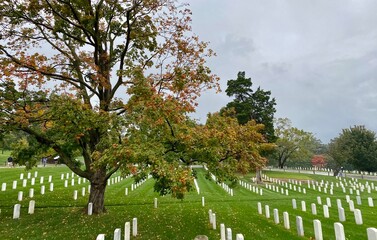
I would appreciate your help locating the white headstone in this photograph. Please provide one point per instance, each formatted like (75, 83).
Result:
(51, 187)
(370, 202)
(3, 187)
(126, 191)
(267, 210)
(31, 192)
(326, 211)
(303, 206)
(276, 216)
(203, 203)
(339, 231)
(127, 231)
(342, 216)
(358, 217)
(24, 182)
(213, 221)
(75, 195)
(20, 195)
(358, 200)
(49, 178)
(16, 211)
(117, 234)
(351, 205)
(90, 208)
(31, 207)
(339, 203)
(294, 204)
(300, 226)
(228, 234)
(21, 176)
(222, 231)
(42, 189)
(314, 209)
(41, 180)
(317, 230)
(286, 220)
(14, 185)
(319, 200)
(83, 190)
(100, 237)
(372, 233)
(32, 181)
(134, 227)
(328, 202)
(239, 236)
(260, 208)
(66, 183)
(155, 202)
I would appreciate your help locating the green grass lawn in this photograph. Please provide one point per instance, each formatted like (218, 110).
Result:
(58, 216)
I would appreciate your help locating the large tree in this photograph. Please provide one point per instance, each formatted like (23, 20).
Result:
(230, 147)
(86, 76)
(252, 105)
(293, 143)
(355, 146)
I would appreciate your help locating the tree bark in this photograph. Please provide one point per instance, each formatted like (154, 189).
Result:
(98, 183)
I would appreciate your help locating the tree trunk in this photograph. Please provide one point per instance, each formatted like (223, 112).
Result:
(98, 184)
(258, 176)
(280, 165)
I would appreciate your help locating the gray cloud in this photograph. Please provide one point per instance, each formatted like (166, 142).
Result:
(318, 58)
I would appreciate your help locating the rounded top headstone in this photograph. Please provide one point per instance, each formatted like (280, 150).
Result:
(201, 237)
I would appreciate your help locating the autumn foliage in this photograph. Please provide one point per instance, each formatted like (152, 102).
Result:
(318, 161)
(113, 82)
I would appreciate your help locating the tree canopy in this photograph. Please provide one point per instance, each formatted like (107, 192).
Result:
(293, 143)
(252, 105)
(97, 78)
(355, 147)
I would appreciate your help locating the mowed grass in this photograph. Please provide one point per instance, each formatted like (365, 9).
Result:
(58, 216)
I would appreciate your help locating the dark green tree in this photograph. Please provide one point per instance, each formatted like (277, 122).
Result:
(249, 105)
(252, 105)
(356, 146)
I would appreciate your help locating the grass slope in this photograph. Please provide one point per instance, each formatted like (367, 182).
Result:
(58, 216)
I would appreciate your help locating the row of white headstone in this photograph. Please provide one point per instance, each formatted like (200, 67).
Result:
(327, 170)
(17, 209)
(20, 194)
(354, 185)
(338, 227)
(223, 185)
(31, 209)
(326, 214)
(127, 231)
(225, 233)
(251, 188)
(24, 183)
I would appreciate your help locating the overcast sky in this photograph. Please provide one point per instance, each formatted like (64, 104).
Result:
(317, 57)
